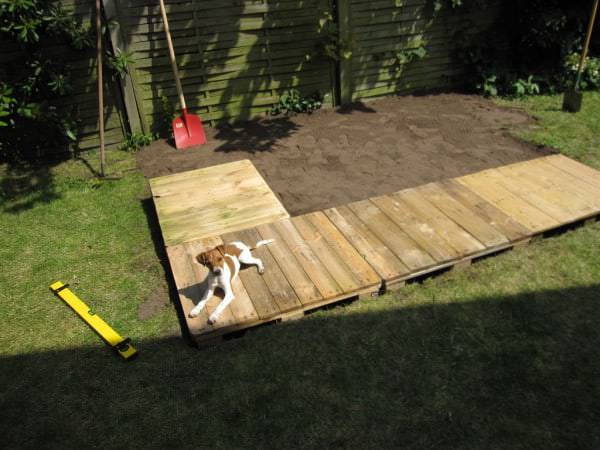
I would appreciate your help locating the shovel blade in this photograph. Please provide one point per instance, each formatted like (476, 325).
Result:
(572, 101)
(188, 131)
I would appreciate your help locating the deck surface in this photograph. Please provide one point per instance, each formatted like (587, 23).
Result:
(205, 202)
(323, 257)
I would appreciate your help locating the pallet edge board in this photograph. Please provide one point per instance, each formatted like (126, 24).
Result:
(118, 343)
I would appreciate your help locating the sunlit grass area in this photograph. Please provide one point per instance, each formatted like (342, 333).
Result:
(503, 354)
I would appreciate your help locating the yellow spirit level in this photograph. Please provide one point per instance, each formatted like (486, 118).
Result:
(121, 345)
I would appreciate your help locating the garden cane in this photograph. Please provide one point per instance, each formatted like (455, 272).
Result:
(573, 97)
(100, 85)
(187, 129)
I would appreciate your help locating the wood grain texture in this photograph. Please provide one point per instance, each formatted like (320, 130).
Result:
(214, 200)
(327, 256)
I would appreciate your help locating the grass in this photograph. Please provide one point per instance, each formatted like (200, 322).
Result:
(503, 354)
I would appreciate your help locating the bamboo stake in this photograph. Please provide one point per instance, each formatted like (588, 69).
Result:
(100, 85)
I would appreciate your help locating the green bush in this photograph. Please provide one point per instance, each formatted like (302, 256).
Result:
(32, 83)
(292, 102)
(531, 48)
(134, 141)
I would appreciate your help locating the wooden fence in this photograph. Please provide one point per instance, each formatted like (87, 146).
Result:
(236, 57)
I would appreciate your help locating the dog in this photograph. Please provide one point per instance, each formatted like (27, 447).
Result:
(223, 263)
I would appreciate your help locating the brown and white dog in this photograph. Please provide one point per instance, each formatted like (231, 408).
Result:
(223, 263)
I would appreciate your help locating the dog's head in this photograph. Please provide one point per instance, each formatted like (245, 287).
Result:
(212, 259)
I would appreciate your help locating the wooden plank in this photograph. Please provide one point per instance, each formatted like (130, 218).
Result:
(281, 291)
(466, 218)
(480, 207)
(329, 258)
(118, 41)
(585, 173)
(456, 236)
(406, 249)
(317, 272)
(588, 195)
(523, 187)
(362, 271)
(213, 200)
(305, 289)
(531, 178)
(511, 204)
(417, 227)
(381, 258)
(188, 288)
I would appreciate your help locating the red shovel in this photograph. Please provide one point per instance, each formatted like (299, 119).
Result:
(187, 129)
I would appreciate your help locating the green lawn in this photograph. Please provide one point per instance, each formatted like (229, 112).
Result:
(503, 354)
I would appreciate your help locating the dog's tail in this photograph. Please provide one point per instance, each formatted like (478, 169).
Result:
(261, 243)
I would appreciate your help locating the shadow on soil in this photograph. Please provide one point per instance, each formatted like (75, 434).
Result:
(254, 136)
(512, 372)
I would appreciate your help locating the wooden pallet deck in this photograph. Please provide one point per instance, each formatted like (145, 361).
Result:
(356, 249)
(205, 202)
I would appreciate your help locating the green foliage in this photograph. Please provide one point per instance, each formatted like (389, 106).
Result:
(330, 44)
(7, 102)
(532, 48)
(120, 61)
(134, 141)
(167, 114)
(409, 55)
(32, 84)
(590, 75)
(292, 102)
(527, 86)
(488, 85)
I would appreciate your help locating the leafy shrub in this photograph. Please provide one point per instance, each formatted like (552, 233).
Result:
(527, 86)
(537, 37)
(32, 83)
(590, 75)
(134, 141)
(291, 102)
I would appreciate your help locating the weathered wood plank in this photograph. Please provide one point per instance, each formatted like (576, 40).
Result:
(406, 249)
(381, 258)
(330, 259)
(318, 273)
(511, 204)
(362, 271)
(305, 289)
(281, 291)
(211, 201)
(465, 217)
(505, 224)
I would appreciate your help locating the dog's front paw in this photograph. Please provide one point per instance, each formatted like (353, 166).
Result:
(193, 314)
(261, 270)
(211, 320)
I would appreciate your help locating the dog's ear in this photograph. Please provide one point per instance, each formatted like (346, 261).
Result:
(202, 258)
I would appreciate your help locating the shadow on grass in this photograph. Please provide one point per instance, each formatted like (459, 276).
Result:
(161, 253)
(25, 184)
(512, 372)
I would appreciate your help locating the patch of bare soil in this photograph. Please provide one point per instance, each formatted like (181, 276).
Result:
(333, 157)
(155, 303)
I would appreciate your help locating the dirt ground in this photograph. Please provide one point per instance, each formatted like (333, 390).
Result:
(334, 157)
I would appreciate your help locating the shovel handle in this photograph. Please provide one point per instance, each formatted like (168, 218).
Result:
(172, 55)
(586, 45)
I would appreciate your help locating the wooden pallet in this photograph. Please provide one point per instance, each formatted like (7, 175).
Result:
(205, 202)
(356, 249)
